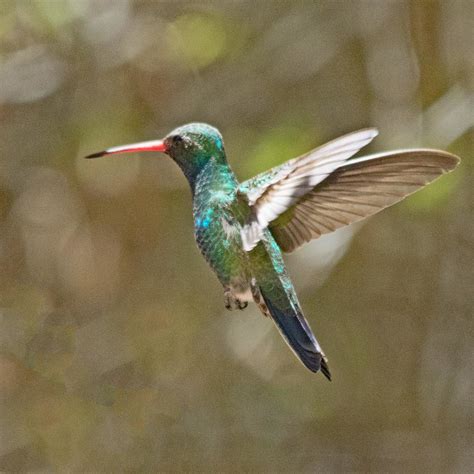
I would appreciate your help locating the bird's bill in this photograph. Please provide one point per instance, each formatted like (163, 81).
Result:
(152, 145)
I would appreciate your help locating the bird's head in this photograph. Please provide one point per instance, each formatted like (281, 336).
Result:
(192, 141)
(191, 146)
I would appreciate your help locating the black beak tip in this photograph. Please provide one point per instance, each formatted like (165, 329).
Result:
(96, 155)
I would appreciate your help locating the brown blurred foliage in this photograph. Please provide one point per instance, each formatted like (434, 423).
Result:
(116, 353)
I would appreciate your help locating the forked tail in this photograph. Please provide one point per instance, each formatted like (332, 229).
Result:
(297, 333)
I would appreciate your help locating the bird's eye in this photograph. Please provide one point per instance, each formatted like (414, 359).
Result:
(177, 139)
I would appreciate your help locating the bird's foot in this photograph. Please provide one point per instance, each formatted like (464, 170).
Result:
(231, 302)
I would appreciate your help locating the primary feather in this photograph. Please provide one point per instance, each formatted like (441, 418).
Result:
(321, 191)
(359, 189)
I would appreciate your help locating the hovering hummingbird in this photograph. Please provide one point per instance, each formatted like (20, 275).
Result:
(243, 228)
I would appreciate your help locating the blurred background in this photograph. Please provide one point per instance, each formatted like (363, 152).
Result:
(116, 352)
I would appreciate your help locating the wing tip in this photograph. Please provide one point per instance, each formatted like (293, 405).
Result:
(372, 131)
(452, 160)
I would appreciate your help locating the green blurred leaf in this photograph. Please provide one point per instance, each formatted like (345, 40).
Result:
(279, 145)
(200, 39)
(56, 13)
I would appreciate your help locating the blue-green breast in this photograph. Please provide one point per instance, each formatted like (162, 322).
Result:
(217, 221)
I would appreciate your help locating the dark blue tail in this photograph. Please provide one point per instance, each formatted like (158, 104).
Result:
(298, 334)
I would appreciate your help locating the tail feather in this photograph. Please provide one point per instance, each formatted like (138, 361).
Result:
(299, 337)
(325, 368)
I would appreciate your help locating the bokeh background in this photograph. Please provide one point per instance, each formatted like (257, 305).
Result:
(116, 351)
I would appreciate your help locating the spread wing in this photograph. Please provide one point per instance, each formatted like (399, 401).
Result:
(273, 192)
(322, 191)
(358, 190)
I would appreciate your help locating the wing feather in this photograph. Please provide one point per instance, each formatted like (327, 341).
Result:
(360, 188)
(321, 191)
(272, 193)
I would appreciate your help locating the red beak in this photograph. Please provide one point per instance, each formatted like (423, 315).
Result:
(153, 145)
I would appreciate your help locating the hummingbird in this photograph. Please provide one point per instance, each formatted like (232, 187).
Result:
(243, 228)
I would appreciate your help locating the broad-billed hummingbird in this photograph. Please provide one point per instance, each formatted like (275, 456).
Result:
(243, 228)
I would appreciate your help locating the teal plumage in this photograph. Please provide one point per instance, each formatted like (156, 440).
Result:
(242, 228)
(216, 221)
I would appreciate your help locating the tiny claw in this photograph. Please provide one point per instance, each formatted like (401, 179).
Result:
(231, 302)
(228, 300)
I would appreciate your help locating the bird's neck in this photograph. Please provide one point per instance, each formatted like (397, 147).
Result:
(214, 179)
(194, 167)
